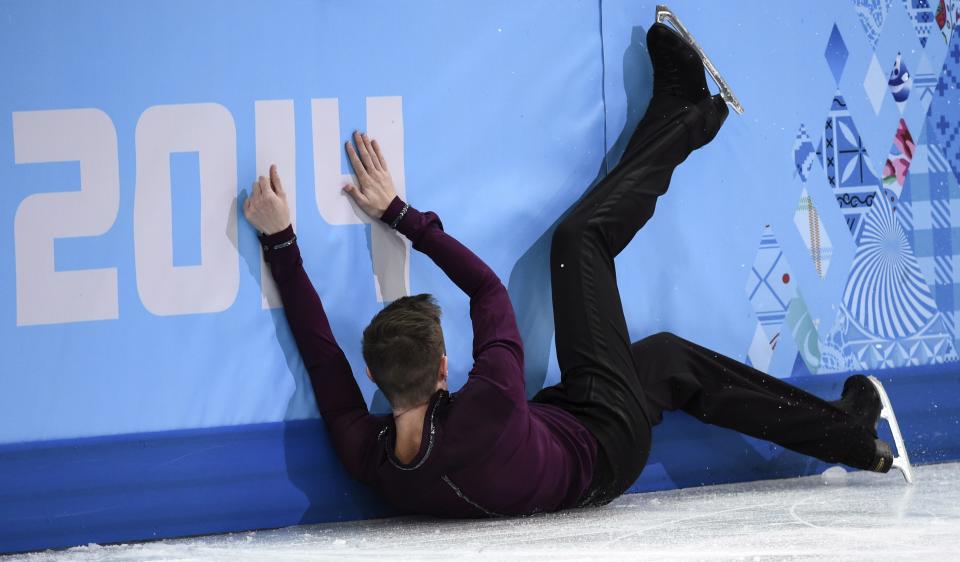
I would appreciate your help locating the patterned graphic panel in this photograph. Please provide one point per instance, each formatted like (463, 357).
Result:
(805, 155)
(946, 17)
(931, 202)
(773, 294)
(848, 167)
(886, 293)
(900, 82)
(814, 236)
(924, 83)
(872, 14)
(804, 330)
(898, 162)
(888, 316)
(922, 16)
(848, 347)
(945, 107)
(770, 290)
(901, 297)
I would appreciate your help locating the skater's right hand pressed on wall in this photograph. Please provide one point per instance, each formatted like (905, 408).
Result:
(266, 207)
(376, 189)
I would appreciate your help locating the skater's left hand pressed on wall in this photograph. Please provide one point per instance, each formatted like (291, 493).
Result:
(376, 189)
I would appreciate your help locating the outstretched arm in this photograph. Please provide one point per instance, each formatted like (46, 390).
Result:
(496, 339)
(352, 429)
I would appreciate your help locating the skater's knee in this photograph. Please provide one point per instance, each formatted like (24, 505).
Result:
(569, 233)
(658, 345)
(579, 229)
(666, 339)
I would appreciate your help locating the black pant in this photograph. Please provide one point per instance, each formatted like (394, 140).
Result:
(619, 389)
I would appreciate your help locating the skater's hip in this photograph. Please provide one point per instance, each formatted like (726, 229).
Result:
(615, 415)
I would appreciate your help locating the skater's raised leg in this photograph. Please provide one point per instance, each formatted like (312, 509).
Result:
(598, 377)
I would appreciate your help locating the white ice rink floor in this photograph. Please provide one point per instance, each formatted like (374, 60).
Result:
(856, 516)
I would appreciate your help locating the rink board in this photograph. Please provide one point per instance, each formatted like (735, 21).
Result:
(150, 386)
(202, 481)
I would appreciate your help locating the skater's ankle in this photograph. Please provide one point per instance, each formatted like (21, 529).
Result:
(677, 68)
(882, 457)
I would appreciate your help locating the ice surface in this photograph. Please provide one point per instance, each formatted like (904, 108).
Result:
(857, 516)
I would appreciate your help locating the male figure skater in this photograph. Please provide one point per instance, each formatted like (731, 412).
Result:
(484, 450)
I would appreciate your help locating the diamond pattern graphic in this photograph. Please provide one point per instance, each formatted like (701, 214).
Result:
(872, 14)
(804, 330)
(925, 83)
(773, 294)
(898, 162)
(937, 43)
(875, 84)
(922, 17)
(836, 53)
(814, 237)
(847, 164)
(945, 108)
(770, 289)
(946, 16)
(931, 200)
(922, 80)
(804, 155)
(900, 82)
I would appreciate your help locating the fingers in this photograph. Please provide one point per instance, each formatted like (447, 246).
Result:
(264, 185)
(368, 143)
(357, 195)
(355, 161)
(376, 150)
(364, 153)
(275, 180)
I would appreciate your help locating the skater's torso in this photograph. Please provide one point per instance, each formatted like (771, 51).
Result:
(484, 449)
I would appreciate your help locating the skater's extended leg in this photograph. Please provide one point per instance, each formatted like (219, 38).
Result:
(678, 374)
(598, 379)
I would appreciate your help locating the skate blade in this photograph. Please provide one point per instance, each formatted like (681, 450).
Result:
(665, 15)
(901, 461)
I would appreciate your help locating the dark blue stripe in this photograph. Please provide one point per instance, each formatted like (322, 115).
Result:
(147, 486)
(155, 485)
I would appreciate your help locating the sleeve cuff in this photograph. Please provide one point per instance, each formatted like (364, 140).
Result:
(276, 241)
(393, 211)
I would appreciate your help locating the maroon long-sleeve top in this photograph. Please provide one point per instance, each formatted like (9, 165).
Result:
(485, 450)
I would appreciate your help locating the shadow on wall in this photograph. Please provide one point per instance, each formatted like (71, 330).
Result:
(529, 284)
(295, 456)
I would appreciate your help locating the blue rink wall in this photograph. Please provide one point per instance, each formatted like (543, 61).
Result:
(149, 386)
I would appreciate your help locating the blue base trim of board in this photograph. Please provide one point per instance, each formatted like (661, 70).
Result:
(134, 487)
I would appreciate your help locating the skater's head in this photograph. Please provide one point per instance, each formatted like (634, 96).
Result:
(404, 351)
